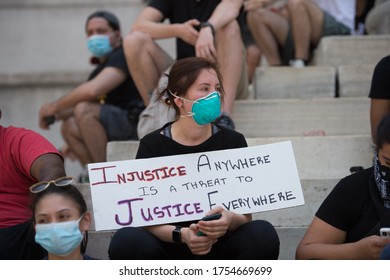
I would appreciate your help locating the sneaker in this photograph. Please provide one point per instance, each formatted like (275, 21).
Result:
(225, 121)
(297, 63)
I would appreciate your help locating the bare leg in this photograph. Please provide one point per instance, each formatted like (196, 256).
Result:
(269, 31)
(72, 137)
(91, 130)
(230, 56)
(146, 62)
(253, 56)
(306, 24)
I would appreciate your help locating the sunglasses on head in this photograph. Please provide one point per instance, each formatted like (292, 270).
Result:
(60, 182)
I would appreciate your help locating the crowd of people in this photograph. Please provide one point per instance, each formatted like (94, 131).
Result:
(219, 44)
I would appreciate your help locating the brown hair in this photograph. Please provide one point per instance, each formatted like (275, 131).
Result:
(183, 75)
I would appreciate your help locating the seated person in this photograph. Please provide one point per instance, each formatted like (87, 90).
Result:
(348, 222)
(288, 34)
(195, 91)
(104, 108)
(61, 219)
(379, 94)
(25, 158)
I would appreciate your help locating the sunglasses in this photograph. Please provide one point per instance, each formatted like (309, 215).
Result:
(60, 182)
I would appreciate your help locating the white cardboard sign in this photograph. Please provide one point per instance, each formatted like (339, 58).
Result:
(170, 189)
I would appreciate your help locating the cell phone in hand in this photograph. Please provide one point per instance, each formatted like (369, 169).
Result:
(385, 232)
(209, 218)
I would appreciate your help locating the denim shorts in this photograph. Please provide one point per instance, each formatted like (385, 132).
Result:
(119, 126)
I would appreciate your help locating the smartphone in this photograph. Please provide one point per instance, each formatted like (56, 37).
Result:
(385, 232)
(209, 218)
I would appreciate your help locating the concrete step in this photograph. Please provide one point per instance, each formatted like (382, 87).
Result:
(288, 82)
(319, 157)
(354, 80)
(295, 117)
(346, 50)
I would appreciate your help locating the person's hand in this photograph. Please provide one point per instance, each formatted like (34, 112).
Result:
(370, 248)
(199, 245)
(204, 46)
(216, 228)
(46, 115)
(189, 33)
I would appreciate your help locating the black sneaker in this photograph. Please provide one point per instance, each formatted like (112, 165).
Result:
(225, 121)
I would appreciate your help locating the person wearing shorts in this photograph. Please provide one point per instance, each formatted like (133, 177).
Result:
(104, 108)
(289, 34)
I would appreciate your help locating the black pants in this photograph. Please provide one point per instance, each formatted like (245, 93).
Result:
(18, 243)
(254, 240)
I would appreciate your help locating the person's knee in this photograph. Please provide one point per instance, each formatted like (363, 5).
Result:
(133, 243)
(83, 110)
(229, 31)
(269, 242)
(257, 18)
(136, 41)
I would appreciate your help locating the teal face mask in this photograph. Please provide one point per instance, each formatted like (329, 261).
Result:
(205, 109)
(99, 45)
(59, 238)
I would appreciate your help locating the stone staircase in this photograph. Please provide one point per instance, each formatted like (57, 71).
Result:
(46, 44)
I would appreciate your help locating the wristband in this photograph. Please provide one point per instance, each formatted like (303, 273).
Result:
(176, 235)
(207, 24)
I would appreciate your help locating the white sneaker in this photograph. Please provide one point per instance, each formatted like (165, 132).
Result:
(297, 63)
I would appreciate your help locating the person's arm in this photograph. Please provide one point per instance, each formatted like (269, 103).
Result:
(323, 241)
(150, 22)
(48, 167)
(379, 108)
(108, 79)
(225, 12)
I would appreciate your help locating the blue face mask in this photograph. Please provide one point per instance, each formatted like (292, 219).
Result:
(59, 238)
(205, 109)
(99, 45)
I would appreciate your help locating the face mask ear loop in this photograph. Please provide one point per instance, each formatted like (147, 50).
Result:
(189, 114)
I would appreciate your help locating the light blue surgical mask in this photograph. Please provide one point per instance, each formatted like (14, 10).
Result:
(59, 238)
(205, 109)
(99, 45)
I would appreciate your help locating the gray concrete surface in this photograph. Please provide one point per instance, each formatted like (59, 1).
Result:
(295, 117)
(347, 50)
(354, 80)
(288, 82)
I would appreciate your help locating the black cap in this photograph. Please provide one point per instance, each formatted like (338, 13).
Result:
(110, 17)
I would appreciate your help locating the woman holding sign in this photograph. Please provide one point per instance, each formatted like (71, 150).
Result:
(195, 91)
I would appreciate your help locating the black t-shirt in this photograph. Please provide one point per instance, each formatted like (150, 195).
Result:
(126, 94)
(349, 206)
(380, 84)
(179, 11)
(156, 144)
